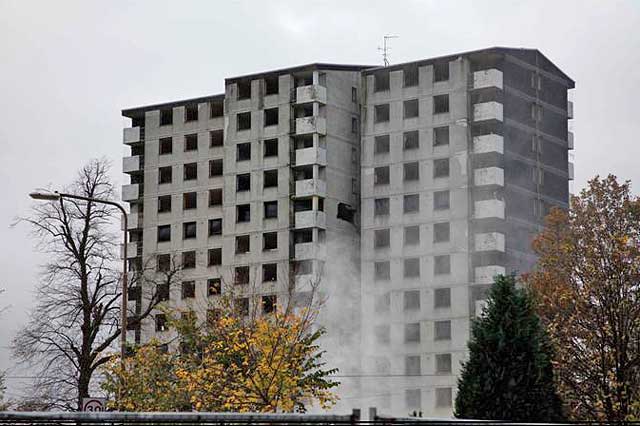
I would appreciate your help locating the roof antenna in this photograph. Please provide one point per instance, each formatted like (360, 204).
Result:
(385, 49)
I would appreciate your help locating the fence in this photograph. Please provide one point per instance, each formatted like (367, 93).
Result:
(230, 419)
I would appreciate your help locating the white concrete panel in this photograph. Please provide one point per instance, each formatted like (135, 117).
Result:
(307, 125)
(130, 192)
(489, 209)
(487, 78)
(132, 164)
(488, 143)
(488, 111)
(490, 241)
(489, 176)
(131, 135)
(485, 274)
(311, 93)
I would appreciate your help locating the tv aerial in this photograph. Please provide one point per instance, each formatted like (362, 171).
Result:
(385, 48)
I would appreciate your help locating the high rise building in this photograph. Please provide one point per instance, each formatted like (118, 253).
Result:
(404, 189)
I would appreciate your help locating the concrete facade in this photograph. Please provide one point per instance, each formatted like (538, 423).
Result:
(405, 189)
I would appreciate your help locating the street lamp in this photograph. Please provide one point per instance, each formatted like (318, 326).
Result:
(53, 196)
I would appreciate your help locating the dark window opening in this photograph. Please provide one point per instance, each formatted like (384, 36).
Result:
(301, 236)
(189, 230)
(410, 76)
(270, 209)
(244, 89)
(441, 136)
(411, 140)
(441, 232)
(304, 141)
(191, 171)
(243, 213)
(243, 244)
(303, 267)
(382, 270)
(191, 142)
(243, 182)
(303, 173)
(163, 262)
(243, 121)
(381, 81)
(442, 264)
(270, 241)
(214, 287)
(215, 227)
(166, 146)
(381, 175)
(442, 330)
(216, 138)
(442, 298)
(440, 104)
(162, 292)
(271, 117)
(242, 275)
(271, 85)
(215, 197)
(269, 304)
(381, 144)
(188, 289)
(271, 148)
(191, 113)
(216, 109)
(270, 178)
(411, 300)
(354, 125)
(302, 205)
(411, 203)
(411, 108)
(269, 272)
(412, 332)
(354, 95)
(441, 71)
(188, 259)
(381, 238)
(441, 168)
(164, 233)
(381, 113)
(411, 171)
(412, 268)
(215, 168)
(166, 117)
(381, 207)
(165, 175)
(412, 235)
(214, 257)
(189, 200)
(243, 151)
(161, 322)
(441, 200)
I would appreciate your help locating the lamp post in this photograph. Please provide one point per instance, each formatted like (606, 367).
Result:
(53, 196)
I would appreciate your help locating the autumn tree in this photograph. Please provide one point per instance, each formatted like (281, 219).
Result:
(587, 283)
(76, 319)
(238, 359)
(509, 375)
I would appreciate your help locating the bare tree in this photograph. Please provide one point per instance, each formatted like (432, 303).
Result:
(75, 323)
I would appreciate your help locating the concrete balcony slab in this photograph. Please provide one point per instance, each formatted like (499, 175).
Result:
(311, 93)
(487, 78)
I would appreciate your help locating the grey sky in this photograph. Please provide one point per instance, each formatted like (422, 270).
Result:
(68, 67)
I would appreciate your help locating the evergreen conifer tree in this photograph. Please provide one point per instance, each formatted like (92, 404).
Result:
(508, 375)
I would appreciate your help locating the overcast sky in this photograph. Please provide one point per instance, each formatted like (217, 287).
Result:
(67, 68)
